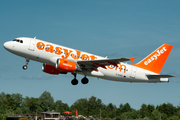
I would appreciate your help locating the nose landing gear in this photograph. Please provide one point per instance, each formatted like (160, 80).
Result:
(25, 66)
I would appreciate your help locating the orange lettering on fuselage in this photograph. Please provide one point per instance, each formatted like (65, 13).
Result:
(66, 53)
(120, 67)
(110, 67)
(49, 48)
(77, 56)
(84, 57)
(40, 46)
(93, 57)
(58, 50)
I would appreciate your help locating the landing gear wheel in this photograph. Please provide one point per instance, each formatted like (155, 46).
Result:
(84, 80)
(25, 67)
(74, 82)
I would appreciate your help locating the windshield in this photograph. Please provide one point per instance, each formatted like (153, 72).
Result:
(17, 40)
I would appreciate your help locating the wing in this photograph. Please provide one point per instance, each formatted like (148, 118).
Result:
(93, 64)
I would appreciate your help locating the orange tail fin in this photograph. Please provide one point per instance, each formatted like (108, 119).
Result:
(155, 61)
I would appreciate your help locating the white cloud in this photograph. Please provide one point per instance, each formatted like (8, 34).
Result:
(38, 77)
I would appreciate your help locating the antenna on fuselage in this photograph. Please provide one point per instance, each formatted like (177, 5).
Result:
(35, 37)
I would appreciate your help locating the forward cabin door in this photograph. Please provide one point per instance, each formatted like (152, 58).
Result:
(32, 44)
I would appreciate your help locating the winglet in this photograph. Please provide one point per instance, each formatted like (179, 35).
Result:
(131, 59)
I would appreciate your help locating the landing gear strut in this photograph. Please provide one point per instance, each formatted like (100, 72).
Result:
(74, 81)
(25, 66)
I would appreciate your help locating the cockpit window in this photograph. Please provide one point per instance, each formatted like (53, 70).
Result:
(17, 40)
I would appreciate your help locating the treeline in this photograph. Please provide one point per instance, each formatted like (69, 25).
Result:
(16, 104)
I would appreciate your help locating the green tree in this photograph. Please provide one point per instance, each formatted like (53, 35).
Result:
(24, 107)
(150, 109)
(33, 104)
(104, 112)
(126, 108)
(156, 115)
(46, 101)
(126, 115)
(119, 110)
(17, 99)
(3, 102)
(60, 106)
(18, 110)
(94, 106)
(168, 109)
(11, 104)
(143, 111)
(111, 110)
(81, 105)
(123, 108)
(174, 117)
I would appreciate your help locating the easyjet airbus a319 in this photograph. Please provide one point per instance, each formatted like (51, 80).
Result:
(58, 59)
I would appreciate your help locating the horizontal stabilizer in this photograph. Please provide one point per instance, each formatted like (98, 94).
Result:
(158, 76)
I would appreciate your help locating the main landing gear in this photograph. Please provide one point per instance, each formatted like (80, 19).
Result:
(25, 66)
(75, 81)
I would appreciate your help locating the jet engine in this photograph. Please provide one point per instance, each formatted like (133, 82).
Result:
(50, 69)
(67, 66)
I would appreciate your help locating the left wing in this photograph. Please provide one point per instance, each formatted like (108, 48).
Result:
(103, 62)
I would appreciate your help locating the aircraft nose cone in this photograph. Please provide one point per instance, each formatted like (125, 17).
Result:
(7, 45)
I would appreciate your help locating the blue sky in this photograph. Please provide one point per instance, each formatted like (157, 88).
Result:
(106, 28)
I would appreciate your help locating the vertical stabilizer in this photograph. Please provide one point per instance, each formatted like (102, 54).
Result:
(155, 61)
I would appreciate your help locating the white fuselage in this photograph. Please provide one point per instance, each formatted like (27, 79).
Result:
(45, 52)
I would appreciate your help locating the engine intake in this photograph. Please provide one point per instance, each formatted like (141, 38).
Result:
(67, 66)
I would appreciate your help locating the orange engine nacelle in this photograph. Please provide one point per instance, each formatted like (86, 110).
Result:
(50, 69)
(67, 66)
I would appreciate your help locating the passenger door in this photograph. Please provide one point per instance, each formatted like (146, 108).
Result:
(32, 44)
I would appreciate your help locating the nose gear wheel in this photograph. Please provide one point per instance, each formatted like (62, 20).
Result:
(25, 66)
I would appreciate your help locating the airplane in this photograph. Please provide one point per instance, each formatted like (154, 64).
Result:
(58, 59)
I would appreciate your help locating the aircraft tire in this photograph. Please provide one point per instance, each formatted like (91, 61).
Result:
(84, 80)
(25, 67)
(74, 82)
